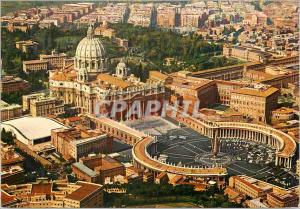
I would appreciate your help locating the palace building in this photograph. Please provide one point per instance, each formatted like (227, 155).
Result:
(86, 83)
(256, 102)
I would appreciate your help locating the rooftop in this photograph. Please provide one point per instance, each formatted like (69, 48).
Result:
(284, 110)
(35, 61)
(33, 127)
(256, 92)
(158, 75)
(73, 119)
(101, 163)
(42, 188)
(76, 191)
(109, 79)
(7, 199)
(283, 197)
(11, 79)
(249, 182)
(6, 106)
(64, 75)
(84, 191)
(85, 169)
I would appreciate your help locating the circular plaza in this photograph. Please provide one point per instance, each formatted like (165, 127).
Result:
(183, 150)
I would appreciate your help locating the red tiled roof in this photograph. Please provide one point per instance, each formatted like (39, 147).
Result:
(84, 191)
(6, 199)
(43, 188)
(72, 119)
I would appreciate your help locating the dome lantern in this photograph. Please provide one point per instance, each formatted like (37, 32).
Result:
(90, 32)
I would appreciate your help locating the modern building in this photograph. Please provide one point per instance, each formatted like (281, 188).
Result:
(31, 130)
(98, 169)
(32, 135)
(141, 15)
(256, 102)
(49, 194)
(75, 143)
(168, 16)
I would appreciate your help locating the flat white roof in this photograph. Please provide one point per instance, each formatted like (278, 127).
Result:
(34, 128)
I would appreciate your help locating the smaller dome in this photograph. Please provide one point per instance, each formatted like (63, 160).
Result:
(121, 64)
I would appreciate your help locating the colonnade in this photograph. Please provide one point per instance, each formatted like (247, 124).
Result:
(282, 161)
(249, 135)
(215, 131)
(285, 146)
(229, 133)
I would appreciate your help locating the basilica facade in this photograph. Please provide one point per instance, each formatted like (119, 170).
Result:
(86, 83)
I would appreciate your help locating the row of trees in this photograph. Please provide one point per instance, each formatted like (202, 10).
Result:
(140, 193)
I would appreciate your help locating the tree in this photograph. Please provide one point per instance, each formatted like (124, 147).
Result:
(13, 98)
(7, 137)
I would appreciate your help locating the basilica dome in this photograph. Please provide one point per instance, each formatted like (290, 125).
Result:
(90, 47)
(90, 53)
